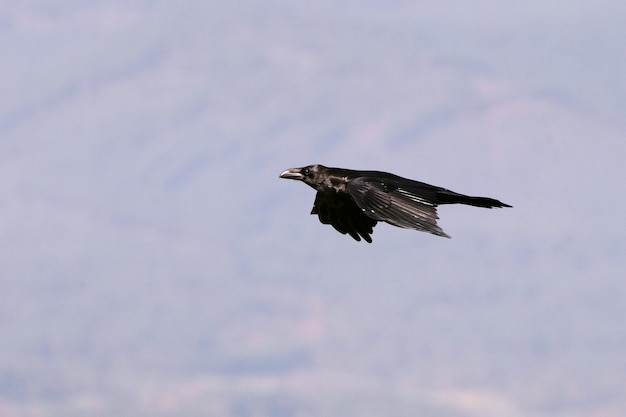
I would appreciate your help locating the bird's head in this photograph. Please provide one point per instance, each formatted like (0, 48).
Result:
(313, 175)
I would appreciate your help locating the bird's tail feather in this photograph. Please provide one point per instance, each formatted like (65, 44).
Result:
(450, 197)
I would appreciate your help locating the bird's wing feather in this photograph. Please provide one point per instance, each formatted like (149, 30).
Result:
(340, 211)
(409, 206)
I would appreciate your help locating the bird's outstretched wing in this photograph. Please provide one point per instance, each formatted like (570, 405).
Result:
(412, 205)
(340, 211)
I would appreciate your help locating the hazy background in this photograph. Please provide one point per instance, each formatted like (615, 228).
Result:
(153, 264)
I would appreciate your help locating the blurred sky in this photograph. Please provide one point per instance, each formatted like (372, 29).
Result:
(146, 238)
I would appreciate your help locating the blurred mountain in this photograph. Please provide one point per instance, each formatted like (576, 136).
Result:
(152, 263)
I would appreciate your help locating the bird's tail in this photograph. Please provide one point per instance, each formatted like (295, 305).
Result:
(450, 197)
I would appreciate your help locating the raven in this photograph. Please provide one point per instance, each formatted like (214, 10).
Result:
(354, 201)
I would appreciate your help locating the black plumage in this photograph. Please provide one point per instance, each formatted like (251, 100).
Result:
(354, 201)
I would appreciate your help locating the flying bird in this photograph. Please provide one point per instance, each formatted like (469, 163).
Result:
(354, 201)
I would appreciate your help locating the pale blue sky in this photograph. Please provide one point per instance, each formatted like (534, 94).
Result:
(144, 230)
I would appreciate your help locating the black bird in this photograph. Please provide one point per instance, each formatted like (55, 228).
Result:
(354, 201)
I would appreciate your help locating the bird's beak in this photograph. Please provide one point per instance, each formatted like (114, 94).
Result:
(292, 174)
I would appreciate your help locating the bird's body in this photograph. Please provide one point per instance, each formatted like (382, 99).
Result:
(354, 201)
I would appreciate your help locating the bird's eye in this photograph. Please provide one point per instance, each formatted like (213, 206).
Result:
(306, 172)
